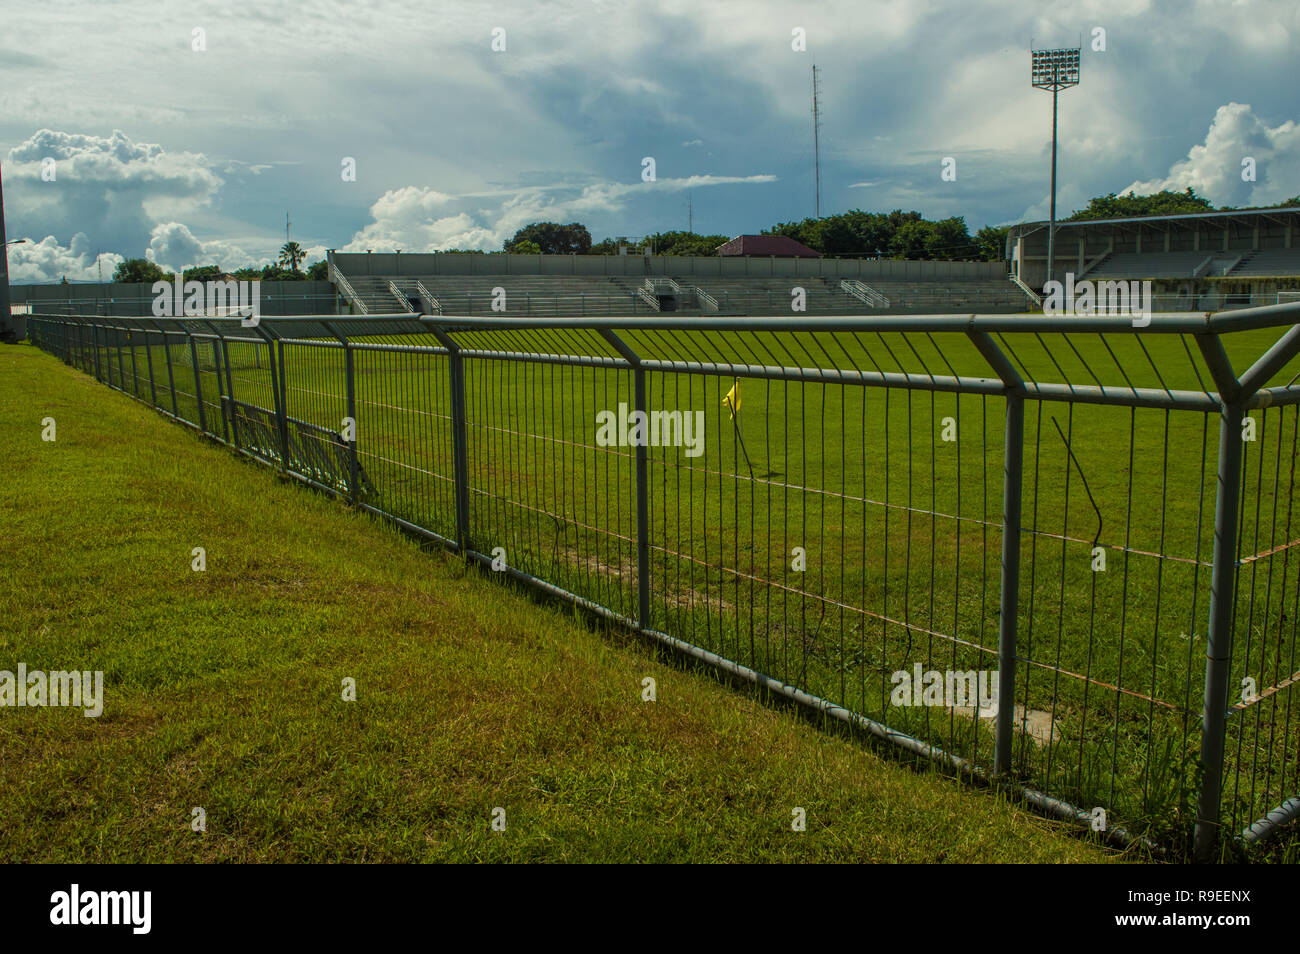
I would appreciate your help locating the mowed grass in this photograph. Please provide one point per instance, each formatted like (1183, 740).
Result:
(900, 527)
(223, 689)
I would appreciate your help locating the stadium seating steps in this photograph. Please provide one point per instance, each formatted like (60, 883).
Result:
(626, 295)
(1239, 263)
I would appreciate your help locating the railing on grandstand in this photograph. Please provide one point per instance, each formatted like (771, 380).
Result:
(342, 284)
(1033, 296)
(431, 304)
(864, 293)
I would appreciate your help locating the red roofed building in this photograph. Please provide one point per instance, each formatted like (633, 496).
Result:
(780, 245)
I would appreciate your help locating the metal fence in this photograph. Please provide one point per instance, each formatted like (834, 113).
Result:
(874, 516)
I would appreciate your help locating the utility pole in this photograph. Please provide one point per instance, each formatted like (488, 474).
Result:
(690, 214)
(817, 154)
(9, 328)
(286, 228)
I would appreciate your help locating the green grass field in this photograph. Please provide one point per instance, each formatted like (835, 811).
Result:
(901, 528)
(223, 689)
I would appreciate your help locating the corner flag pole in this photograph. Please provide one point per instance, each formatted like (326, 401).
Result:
(732, 400)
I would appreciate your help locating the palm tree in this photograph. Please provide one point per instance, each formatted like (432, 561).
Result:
(291, 253)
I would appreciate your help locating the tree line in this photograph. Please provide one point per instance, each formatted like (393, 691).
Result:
(284, 269)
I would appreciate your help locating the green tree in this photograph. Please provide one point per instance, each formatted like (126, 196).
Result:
(138, 270)
(291, 253)
(278, 273)
(318, 271)
(553, 238)
(685, 243)
(860, 234)
(992, 242)
(913, 240)
(1114, 206)
(952, 241)
(526, 247)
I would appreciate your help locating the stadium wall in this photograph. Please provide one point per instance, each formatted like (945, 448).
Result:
(134, 299)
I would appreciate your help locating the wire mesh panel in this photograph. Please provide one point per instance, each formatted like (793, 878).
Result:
(315, 409)
(551, 494)
(1055, 553)
(402, 408)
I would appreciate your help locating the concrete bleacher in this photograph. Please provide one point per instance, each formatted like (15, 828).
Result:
(1282, 262)
(376, 295)
(554, 295)
(770, 296)
(941, 296)
(1152, 265)
(527, 294)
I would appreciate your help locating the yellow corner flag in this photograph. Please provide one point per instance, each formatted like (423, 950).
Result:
(732, 400)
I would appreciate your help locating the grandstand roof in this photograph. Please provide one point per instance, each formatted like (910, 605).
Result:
(779, 245)
(1182, 218)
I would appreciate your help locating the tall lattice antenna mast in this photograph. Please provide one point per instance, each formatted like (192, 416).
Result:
(817, 154)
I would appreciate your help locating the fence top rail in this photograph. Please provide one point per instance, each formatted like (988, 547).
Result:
(1264, 316)
(1175, 360)
(1172, 323)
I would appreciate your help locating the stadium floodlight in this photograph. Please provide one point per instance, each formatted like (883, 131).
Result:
(1055, 70)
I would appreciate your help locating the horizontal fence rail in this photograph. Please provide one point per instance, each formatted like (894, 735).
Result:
(1053, 553)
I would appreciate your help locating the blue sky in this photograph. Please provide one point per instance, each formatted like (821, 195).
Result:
(191, 156)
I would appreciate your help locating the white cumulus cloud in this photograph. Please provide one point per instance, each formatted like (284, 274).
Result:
(48, 261)
(1214, 167)
(418, 219)
(111, 188)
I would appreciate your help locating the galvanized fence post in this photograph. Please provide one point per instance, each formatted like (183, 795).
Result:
(281, 423)
(226, 391)
(109, 353)
(1013, 454)
(1218, 640)
(1223, 580)
(1234, 393)
(135, 372)
(103, 357)
(171, 376)
(459, 441)
(198, 380)
(351, 386)
(1009, 611)
(642, 482)
(230, 391)
(94, 347)
(121, 362)
(148, 357)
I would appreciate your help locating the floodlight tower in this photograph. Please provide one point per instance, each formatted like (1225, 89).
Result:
(1055, 70)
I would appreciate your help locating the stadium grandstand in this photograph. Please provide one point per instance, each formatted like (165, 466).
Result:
(1202, 261)
(542, 285)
